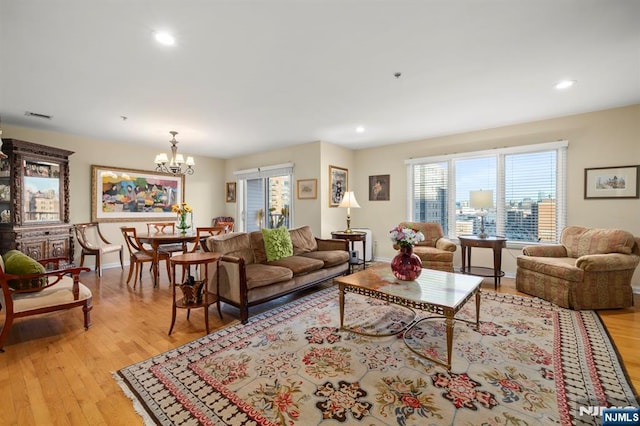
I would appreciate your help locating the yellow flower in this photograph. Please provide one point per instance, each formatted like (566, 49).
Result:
(181, 208)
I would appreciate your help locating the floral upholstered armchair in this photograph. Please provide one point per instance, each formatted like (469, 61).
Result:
(590, 269)
(436, 252)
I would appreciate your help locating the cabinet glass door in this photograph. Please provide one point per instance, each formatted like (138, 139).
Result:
(41, 192)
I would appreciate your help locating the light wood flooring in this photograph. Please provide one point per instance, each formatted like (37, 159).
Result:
(53, 372)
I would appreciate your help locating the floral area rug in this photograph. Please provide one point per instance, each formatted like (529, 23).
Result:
(529, 363)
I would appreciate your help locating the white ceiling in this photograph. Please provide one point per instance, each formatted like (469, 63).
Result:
(247, 76)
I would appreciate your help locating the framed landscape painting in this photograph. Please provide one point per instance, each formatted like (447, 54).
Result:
(338, 184)
(611, 182)
(120, 195)
(307, 189)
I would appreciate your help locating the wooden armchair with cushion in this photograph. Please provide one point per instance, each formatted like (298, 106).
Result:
(93, 243)
(29, 289)
(435, 251)
(590, 269)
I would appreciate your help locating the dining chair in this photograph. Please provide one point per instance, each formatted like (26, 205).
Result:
(223, 221)
(138, 255)
(93, 243)
(200, 244)
(166, 228)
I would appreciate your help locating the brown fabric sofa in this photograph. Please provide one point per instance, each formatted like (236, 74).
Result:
(247, 279)
(436, 252)
(590, 269)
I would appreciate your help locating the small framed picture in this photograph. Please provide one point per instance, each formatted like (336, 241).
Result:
(307, 189)
(231, 192)
(379, 187)
(611, 182)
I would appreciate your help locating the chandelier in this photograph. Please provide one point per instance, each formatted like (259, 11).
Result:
(174, 165)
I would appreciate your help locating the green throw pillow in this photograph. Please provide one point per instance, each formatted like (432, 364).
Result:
(18, 263)
(277, 243)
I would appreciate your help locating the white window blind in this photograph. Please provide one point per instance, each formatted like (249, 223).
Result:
(528, 184)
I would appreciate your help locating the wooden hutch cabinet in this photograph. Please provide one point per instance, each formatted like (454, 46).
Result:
(34, 200)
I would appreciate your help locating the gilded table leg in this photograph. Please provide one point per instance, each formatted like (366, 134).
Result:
(449, 324)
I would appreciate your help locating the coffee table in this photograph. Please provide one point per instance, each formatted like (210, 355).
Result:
(437, 292)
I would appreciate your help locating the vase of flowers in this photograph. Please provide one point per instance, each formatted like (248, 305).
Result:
(406, 266)
(182, 210)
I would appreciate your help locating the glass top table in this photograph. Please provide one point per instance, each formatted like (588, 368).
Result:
(437, 292)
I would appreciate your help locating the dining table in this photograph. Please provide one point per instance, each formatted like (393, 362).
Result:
(157, 239)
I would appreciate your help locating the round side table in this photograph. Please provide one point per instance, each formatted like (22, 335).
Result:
(186, 260)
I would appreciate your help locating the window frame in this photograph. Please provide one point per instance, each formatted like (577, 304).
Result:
(263, 174)
(499, 153)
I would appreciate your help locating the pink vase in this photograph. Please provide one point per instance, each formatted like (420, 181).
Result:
(406, 266)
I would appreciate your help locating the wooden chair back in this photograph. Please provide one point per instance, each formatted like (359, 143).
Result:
(204, 232)
(161, 227)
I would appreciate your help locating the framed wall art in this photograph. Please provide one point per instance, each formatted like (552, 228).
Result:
(120, 195)
(338, 184)
(307, 189)
(611, 182)
(379, 187)
(231, 192)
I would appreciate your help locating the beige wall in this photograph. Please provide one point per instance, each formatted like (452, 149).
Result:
(311, 161)
(204, 189)
(598, 139)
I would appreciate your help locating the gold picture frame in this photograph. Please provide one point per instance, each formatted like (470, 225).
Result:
(307, 189)
(127, 195)
(338, 184)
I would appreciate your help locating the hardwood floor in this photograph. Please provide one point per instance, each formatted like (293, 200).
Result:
(54, 372)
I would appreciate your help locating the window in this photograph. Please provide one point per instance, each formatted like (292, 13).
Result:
(528, 185)
(266, 201)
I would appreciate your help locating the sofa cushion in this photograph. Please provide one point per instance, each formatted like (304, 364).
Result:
(257, 245)
(329, 257)
(433, 254)
(18, 263)
(299, 265)
(235, 244)
(560, 267)
(303, 240)
(277, 243)
(581, 241)
(259, 275)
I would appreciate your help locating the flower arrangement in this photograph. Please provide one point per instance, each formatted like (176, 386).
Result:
(406, 237)
(181, 208)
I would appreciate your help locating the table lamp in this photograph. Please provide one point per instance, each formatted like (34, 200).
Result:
(349, 201)
(481, 200)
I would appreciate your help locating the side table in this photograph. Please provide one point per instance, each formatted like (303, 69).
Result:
(208, 298)
(353, 236)
(494, 243)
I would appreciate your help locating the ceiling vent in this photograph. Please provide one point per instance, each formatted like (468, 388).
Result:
(37, 115)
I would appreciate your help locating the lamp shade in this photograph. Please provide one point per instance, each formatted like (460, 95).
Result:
(349, 201)
(482, 199)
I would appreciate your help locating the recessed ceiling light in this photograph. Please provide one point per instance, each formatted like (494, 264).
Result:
(359, 129)
(564, 84)
(165, 38)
